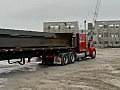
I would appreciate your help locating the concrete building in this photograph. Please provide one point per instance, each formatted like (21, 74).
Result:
(107, 33)
(61, 27)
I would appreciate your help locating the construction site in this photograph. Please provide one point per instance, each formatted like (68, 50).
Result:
(107, 33)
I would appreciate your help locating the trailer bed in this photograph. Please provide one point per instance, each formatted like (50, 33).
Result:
(22, 39)
(26, 44)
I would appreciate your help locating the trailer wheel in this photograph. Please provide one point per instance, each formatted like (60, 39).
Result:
(94, 54)
(72, 57)
(64, 59)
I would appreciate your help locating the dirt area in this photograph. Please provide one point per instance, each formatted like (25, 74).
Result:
(102, 73)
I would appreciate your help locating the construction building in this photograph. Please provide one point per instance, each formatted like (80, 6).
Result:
(107, 33)
(61, 27)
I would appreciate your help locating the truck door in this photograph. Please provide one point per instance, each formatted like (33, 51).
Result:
(81, 42)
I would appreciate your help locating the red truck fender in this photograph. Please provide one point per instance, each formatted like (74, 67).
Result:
(92, 52)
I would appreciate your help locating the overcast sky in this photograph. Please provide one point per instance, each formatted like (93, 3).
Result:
(30, 14)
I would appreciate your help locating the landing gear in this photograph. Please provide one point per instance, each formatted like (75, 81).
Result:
(21, 62)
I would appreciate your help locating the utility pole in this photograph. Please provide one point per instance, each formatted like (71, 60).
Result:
(85, 33)
(85, 25)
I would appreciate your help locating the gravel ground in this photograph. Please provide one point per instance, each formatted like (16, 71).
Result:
(102, 73)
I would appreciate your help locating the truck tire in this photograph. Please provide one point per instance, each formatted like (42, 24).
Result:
(94, 54)
(64, 59)
(72, 57)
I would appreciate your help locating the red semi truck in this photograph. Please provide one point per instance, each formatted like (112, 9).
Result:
(51, 48)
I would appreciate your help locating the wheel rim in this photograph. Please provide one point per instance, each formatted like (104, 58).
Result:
(94, 53)
(65, 59)
(72, 58)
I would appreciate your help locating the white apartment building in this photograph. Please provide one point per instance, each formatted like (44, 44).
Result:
(61, 27)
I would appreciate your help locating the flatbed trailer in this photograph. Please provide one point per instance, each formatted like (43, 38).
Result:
(51, 48)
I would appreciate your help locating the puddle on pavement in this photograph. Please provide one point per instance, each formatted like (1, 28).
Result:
(9, 69)
(116, 72)
(26, 88)
(2, 81)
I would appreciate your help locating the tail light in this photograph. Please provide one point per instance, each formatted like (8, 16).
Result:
(49, 56)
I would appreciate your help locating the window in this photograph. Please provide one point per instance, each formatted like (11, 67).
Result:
(57, 27)
(68, 27)
(100, 35)
(101, 26)
(48, 27)
(51, 26)
(105, 26)
(111, 42)
(106, 34)
(100, 42)
(94, 42)
(116, 34)
(111, 26)
(111, 35)
(117, 26)
(117, 42)
(106, 42)
(72, 27)
(103, 22)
